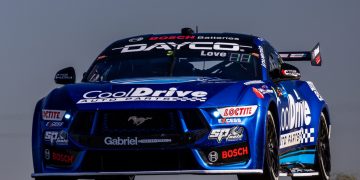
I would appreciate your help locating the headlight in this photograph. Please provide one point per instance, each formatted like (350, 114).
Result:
(67, 116)
(216, 114)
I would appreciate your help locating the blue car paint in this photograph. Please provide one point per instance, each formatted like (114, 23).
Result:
(221, 93)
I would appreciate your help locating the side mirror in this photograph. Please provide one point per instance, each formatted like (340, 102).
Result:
(289, 72)
(65, 76)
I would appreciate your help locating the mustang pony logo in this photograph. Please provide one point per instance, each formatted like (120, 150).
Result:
(138, 120)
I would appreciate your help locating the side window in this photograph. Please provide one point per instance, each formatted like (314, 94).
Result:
(274, 62)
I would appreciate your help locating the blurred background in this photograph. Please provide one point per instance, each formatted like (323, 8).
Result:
(37, 38)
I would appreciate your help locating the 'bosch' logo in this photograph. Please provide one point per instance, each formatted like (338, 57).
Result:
(213, 156)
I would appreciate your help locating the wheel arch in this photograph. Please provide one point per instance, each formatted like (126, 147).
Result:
(36, 136)
(325, 110)
(273, 108)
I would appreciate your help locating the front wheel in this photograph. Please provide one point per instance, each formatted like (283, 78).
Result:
(271, 161)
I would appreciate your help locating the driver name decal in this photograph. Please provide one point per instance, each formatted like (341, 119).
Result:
(143, 94)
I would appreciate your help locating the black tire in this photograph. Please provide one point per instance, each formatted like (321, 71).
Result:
(117, 178)
(322, 156)
(271, 161)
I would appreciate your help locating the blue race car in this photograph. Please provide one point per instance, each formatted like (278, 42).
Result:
(186, 103)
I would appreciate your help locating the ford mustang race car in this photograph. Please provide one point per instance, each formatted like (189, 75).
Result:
(185, 103)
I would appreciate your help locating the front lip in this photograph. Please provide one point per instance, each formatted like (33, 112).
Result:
(97, 174)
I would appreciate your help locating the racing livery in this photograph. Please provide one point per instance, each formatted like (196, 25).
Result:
(187, 103)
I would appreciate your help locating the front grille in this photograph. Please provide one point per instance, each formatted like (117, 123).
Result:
(143, 127)
(82, 123)
(137, 122)
(156, 160)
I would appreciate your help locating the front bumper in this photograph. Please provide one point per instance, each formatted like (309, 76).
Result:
(190, 160)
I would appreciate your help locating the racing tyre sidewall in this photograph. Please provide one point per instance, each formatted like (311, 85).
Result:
(323, 150)
(271, 161)
(322, 156)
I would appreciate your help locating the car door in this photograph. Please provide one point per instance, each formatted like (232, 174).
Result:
(293, 111)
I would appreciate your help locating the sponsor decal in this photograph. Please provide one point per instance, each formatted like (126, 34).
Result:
(254, 82)
(218, 38)
(121, 141)
(302, 170)
(143, 94)
(153, 141)
(292, 55)
(47, 154)
(64, 158)
(234, 153)
(212, 54)
(291, 139)
(239, 152)
(229, 121)
(257, 93)
(229, 134)
(316, 51)
(296, 115)
(54, 124)
(262, 56)
(64, 76)
(315, 54)
(318, 60)
(138, 120)
(132, 141)
(295, 118)
(137, 39)
(52, 115)
(168, 46)
(240, 111)
(265, 90)
(213, 156)
(297, 137)
(160, 38)
(313, 88)
(260, 92)
(56, 137)
(292, 73)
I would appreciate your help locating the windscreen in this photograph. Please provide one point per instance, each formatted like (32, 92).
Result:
(226, 60)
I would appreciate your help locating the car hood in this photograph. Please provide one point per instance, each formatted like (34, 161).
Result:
(179, 92)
